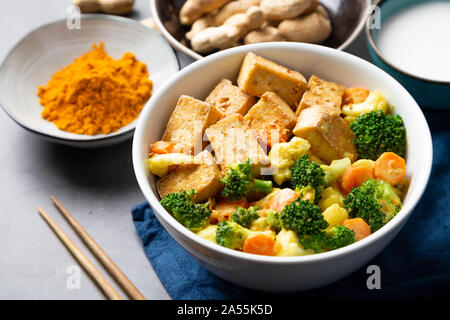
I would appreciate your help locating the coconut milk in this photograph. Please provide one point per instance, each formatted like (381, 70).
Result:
(417, 40)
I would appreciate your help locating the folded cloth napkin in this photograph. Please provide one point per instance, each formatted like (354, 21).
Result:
(415, 265)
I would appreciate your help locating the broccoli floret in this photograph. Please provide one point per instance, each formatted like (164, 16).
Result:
(239, 182)
(339, 236)
(305, 219)
(231, 235)
(307, 193)
(244, 217)
(306, 173)
(192, 215)
(274, 221)
(374, 201)
(376, 133)
(316, 242)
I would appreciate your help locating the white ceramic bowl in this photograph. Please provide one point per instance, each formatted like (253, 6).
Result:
(51, 47)
(284, 274)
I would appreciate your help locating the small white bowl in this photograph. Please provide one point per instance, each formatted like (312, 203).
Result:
(284, 274)
(51, 47)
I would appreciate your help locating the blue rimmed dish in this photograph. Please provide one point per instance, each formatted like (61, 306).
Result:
(427, 92)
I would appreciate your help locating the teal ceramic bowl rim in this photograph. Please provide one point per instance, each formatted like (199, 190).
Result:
(386, 61)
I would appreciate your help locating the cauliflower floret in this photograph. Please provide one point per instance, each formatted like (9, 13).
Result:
(259, 224)
(264, 203)
(284, 155)
(288, 246)
(330, 196)
(335, 215)
(375, 101)
(159, 164)
(335, 170)
(364, 163)
(208, 233)
(312, 157)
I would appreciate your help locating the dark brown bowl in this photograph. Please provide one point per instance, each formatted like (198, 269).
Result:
(347, 18)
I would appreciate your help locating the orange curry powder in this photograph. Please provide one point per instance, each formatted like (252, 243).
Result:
(96, 94)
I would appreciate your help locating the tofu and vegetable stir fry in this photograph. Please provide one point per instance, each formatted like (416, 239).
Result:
(280, 166)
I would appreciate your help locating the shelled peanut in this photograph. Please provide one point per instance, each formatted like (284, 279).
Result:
(119, 7)
(222, 24)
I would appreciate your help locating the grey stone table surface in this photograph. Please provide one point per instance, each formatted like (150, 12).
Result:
(97, 186)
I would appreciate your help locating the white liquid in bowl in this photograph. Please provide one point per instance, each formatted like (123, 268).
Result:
(417, 40)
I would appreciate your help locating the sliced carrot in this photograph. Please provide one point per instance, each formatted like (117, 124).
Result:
(354, 177)
(355, 95)
(224, 208)
(390, 168)
(218, 216)
(162, 147)
(282, 198)
(226, 205)
(165, 147)
(273, 134)
(262, 244)
(359, 226)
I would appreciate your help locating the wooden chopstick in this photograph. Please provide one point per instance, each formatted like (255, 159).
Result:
(82, 259)
(109, 265)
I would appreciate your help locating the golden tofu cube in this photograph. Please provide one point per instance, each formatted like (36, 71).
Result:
(233, 142)
(204, 177)
(229, 99)
(321, 93)
(268, 113)
(329, 135)
(259, 75)
(189, 121)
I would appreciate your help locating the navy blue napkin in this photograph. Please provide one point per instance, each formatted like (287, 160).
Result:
(415, 265)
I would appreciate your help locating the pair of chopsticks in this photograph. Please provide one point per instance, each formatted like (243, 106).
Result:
(109, 265)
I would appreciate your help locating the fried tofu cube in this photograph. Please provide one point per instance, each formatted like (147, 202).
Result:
(189, 121)
(204, 177)
(259, 75)
(229, 99)
(233, 142)
(271, 112)
(329, 135)
(321, 93)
